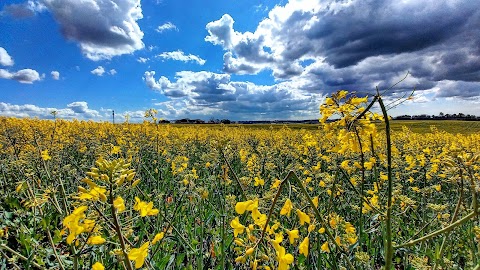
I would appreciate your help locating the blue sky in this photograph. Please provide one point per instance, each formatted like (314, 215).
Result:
(233, 59)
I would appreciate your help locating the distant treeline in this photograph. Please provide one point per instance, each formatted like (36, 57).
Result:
(227, 121)
(441, 116)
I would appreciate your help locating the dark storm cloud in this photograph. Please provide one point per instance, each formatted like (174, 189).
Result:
(360, 44)
(357, 38)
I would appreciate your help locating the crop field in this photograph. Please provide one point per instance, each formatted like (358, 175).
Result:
(350, 194)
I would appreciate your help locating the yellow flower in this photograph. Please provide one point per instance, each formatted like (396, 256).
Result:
(304, 218)
(333, 223)
(119, 204)
(241, 207)
(321, 230)
(98, 266)
(344, 164)
(325, 248)
(94, 194)
(259, 218)
(322, 184)
(145, 209)
(352, 240)
(89, 225)
(292, 235)
(95, 240)
(19, 187)
(284, 259)
(240, 259)
(158, 237)
(349, 228)
(287, 208)
(115, 150)
(139, 255)
(303, 248)
(277, 241)
(72, 222)
(368, 165)
(315, 201)
(237, 226)
(45, 155)
(276, 184)
(337, 240)
(259, 182)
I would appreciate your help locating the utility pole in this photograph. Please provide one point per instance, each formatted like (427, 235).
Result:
(113, 116)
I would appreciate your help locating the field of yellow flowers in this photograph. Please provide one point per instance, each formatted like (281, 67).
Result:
(89, 195)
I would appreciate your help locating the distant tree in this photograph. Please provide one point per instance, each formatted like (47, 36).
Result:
(225, 121)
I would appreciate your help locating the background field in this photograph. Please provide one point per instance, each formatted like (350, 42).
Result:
(417, 126)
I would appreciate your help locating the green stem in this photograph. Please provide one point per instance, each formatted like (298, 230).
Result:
(5, 247)
(319, 216)
(118, 229)
(444, 230)
(235, 177)
(362, 187)
(455, 214)
(388, 219)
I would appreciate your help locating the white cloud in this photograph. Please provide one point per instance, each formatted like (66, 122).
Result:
(5, 58)
(99, 71)
(181, 56)
(166, 26)
(55, 75)
(221, 32)
(24, 10)
(112, 72)
(155, 85)
(81, 108)
(27, 75)
(74, 110)
(203, 93)
(142, 60)
(103, 28)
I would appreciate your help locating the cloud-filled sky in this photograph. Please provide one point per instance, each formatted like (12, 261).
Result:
(241, 60)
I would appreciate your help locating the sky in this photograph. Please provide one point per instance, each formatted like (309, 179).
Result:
(234, 59)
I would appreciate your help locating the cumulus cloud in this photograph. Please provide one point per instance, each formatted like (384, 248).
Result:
(112, 71)
(102, 28)
(27, 75)
(448, 88)
(326, 45)
(181, 56)
(209, 93)
(55, 75)
(99, 71)
(74, 110)
(166, 26)
(24, 10)
(5, 58)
